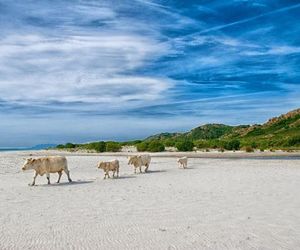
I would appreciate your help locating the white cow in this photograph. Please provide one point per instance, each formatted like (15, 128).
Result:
(109, 166)
(138, 161)
(47, 165)
(183, 161)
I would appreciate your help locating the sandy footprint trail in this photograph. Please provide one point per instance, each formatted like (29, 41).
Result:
(216, 204)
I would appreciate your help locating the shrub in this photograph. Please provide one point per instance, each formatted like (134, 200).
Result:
(113, 146)
(232, 145)
(249, 149)
(156, 146)
(185, 146)
(143, 146)
(169, 143)
(202, 144)
(130, 143)
(97, 146)
(254, 145)
(70, 145)
(294, 141)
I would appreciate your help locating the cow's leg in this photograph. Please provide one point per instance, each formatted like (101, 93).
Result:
(59, 176)
(48, 178)
(34, 177)
(68, 174)
(135, 170)
(114, 173)
(106, 175)
(117, 172)
(147, 166)
(140, 169)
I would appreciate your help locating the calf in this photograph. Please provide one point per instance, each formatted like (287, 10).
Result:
(183, 161)
(109, 166)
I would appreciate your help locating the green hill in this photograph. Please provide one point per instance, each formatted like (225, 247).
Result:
(281, 132)
(278, 132)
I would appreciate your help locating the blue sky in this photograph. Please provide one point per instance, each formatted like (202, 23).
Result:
(91, 70)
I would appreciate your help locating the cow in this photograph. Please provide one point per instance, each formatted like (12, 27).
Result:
(47, 165)
(138, 161)
(183, 161)
(109, 166)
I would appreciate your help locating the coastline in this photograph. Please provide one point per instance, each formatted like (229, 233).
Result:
(198, 154)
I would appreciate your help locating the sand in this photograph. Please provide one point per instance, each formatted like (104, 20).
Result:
(217, 203)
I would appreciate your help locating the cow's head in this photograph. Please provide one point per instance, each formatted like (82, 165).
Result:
(131, 159)
(100, 164)
(29, 164)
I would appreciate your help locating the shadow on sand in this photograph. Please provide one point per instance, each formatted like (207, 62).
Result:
(79, 182)
(124, 177)
(155, 171)
(188, 168)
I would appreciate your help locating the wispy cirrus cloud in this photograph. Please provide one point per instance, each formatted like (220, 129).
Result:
(149, 64)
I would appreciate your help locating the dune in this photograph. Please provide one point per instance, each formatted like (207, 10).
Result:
(216, 203)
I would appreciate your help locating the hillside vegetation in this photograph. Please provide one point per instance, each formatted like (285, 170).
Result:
(281, 132)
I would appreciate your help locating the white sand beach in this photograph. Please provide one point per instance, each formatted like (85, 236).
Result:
(215, 204)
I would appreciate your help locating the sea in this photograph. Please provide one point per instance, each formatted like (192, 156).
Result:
(14, 149)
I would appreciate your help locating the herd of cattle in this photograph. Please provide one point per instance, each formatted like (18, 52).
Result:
(58, 164)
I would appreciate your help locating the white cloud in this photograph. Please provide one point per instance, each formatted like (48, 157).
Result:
(283, 50)
(275, 50)
(79, 68)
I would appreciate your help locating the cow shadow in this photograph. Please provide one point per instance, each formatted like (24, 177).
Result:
(154, 171)
(124, 177)
(188, 168)
(78, 182)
